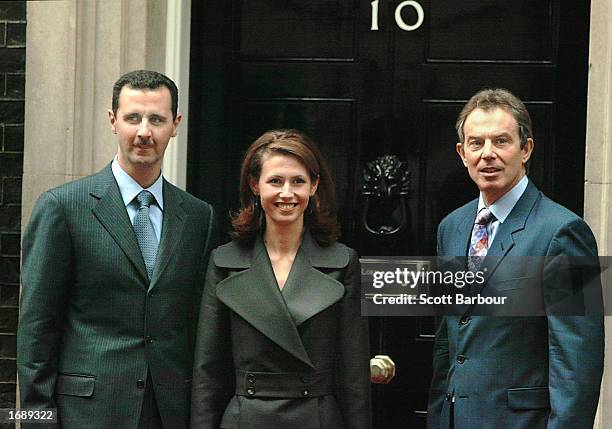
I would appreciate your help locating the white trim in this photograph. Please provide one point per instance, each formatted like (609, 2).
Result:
(178, 33)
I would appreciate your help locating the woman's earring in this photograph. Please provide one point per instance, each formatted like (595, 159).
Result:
(256, 201)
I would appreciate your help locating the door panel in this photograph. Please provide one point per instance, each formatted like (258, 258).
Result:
(318, 67)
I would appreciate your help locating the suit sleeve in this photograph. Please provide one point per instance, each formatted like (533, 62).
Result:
(353, 364)
(213, 239)
(575, 343)
(437, 391)
(45, 283)
(213, 381)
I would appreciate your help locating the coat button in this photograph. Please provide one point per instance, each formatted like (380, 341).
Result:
(460, 358)
(465, 320)
(149, 339)
(251, 391)
(448, 397)
(305, 379)
(140, 384)
(305, 392)
(251, 378)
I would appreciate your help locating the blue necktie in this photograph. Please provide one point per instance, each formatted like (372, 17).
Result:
(144, 231)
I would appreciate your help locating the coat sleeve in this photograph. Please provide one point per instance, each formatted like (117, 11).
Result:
(575, 343)
(353, 364)
(45, 284)
(213, 372)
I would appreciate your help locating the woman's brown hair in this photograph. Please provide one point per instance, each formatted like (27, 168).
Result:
(319, 218)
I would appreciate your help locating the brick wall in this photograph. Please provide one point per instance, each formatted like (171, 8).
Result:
(12, 88)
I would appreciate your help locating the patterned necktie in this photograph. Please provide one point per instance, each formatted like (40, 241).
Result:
(144, 231)
(479, 243)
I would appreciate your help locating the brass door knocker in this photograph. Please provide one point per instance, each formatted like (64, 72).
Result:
(387, 180)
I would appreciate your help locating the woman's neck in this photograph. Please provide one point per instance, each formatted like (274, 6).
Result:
(283, 241)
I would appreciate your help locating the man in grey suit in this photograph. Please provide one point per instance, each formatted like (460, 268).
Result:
(112, 275)
(540, 370)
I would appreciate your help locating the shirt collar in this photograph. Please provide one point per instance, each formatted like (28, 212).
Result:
(503, 206)
(129, 188)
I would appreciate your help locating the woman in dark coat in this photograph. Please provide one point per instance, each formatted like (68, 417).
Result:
(281, 341)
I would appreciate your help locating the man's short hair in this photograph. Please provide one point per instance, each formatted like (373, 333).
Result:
(489, 99)
(145, 79)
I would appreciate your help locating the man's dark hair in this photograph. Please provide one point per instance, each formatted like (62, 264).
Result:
(145, 79)
(490, 99)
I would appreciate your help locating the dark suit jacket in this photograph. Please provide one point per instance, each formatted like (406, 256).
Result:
(303, 350)
(91, 325)
(519, 372)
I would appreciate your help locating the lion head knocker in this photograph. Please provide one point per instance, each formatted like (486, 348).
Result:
(387, 181)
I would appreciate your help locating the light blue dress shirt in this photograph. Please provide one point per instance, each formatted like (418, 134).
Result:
(502, 207)
(129, 188)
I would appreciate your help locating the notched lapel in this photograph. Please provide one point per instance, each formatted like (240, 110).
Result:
(254, 295)
(509, 231)
(111, 213)
(172, 230)
(461, 245)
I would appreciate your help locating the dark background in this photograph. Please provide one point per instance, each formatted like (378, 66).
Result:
(318, 67)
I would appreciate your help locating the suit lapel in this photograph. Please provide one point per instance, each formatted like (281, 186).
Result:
(460, 246)
(111, 213)
(254, 295)
(172, 230)
(509, 231)
(464, 232)
(308, 291)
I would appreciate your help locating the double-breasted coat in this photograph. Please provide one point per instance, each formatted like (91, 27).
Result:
(290, 358)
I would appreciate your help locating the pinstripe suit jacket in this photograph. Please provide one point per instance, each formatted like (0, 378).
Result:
(91, 324)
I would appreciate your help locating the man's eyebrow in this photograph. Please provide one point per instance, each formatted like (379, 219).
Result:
(480, 136)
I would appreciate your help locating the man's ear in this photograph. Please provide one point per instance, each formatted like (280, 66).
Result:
(527, 150)
(112, 120)
(461, 151)
(176, 121)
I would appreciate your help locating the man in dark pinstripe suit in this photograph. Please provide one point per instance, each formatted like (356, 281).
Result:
(106, 335)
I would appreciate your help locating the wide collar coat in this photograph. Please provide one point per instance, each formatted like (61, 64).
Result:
(253, 293)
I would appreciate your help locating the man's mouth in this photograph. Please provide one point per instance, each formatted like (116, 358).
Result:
(490, 170)
(144, 144)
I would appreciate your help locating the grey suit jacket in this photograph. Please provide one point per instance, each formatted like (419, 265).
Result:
(91, 324)
(518, 372)
(296, 358)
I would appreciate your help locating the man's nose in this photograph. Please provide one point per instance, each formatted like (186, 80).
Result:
(144, 131)
(488, 150)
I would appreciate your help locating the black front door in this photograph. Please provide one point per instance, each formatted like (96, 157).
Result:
(322, 66)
